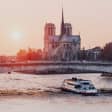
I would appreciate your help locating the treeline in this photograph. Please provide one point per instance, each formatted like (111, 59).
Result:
(95, 54)
(105, 53)
(30, 54)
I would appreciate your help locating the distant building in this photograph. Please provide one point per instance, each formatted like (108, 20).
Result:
(94, 54)
(61, 47)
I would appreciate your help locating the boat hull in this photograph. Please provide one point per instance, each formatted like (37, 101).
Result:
(81, 92)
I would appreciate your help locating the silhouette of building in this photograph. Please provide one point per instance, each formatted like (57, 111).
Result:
(61, 47)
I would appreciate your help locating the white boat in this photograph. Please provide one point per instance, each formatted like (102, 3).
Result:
(79, 86)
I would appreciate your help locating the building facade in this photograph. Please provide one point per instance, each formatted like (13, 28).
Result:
(65, 46)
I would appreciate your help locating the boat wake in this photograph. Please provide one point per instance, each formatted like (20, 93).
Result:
(54, 91)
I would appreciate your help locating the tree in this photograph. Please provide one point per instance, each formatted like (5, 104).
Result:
(107, 52)
(30, 54)
(21, 55)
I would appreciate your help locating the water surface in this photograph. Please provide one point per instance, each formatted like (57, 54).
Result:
(55, 100)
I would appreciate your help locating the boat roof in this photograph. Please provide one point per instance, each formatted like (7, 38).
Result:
(78, 79)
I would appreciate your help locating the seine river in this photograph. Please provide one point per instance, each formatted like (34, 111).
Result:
(58, 101)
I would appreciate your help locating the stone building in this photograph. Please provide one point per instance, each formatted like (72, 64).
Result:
(65, 46)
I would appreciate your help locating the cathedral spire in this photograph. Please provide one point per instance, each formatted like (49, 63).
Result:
(62, 24)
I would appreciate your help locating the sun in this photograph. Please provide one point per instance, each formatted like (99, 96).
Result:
(16, 35)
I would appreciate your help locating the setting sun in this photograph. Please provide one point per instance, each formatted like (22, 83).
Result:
(16, 35)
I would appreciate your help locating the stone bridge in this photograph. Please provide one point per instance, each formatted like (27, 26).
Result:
(46, 66)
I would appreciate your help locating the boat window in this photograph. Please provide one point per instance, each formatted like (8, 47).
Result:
(77, 86)
(85, 83)
(75, 79)
(92, 87)
(85, 88)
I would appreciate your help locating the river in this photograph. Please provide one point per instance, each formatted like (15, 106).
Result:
(56, 100)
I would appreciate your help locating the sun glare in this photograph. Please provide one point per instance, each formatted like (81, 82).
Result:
(16, 35)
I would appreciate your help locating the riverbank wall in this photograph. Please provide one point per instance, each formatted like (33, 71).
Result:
(48, 67)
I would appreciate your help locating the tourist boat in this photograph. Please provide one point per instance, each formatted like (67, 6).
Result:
(79, 86)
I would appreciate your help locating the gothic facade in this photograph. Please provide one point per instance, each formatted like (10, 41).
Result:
(65, 46)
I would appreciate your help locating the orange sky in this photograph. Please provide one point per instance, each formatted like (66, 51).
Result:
(93, 18)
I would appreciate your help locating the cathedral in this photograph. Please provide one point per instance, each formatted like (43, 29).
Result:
(63, 47)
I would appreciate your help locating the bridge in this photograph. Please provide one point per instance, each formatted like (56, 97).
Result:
(57, 66)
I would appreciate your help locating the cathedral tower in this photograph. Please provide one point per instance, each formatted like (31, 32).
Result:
(49, 30)
(68, 29)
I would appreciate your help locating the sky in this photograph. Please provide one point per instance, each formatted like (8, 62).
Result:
(22, 22)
